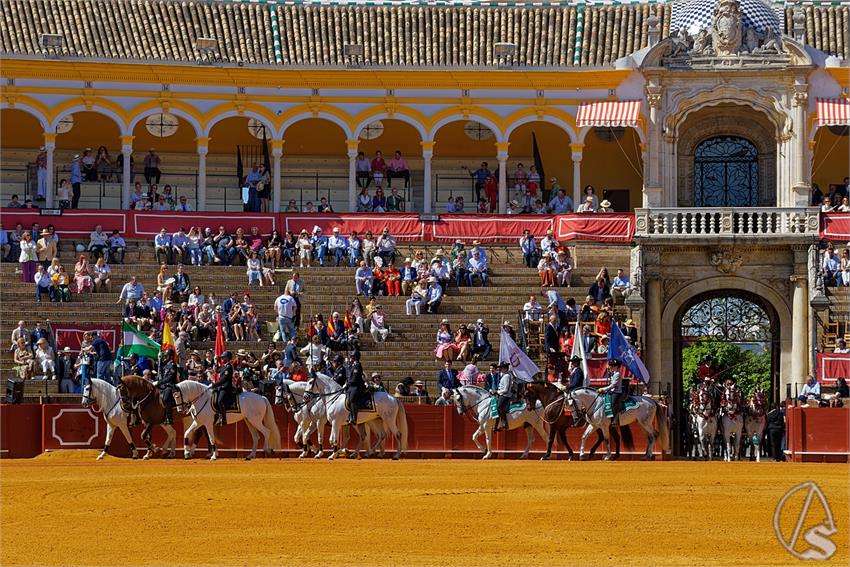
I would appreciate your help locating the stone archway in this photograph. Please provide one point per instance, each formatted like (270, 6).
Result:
(727, 120)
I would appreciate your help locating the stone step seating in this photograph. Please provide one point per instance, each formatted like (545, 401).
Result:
(330, 289)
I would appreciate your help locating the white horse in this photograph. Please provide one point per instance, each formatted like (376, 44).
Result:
(387, 408)
(703, 414)
(106, 397)
(309, 412)
(755, 421)
(195, 399)
(732, 420)
(476, 402)
(591, 404)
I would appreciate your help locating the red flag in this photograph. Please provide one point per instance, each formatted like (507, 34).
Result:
(219, 343)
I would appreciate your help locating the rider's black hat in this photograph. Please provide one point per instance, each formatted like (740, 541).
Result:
(227, 354)
(338, 358)
(614, 362)
(575, 359)
(706, 358)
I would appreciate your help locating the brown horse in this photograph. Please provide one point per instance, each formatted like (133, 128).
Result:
(554, 403)
(144, 399)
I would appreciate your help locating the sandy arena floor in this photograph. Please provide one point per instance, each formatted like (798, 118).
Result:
(66, 509)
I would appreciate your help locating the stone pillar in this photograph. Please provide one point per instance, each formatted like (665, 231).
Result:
(577, 193)
(49, 147)
(277, 152)
(799, 178)
(799, 328)
(653, 188)
(652, 333)
(201, 189)
(502, 156)
(427, 155)
(352, 174)
(126, 171)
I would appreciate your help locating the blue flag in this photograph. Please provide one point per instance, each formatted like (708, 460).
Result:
(620, 349)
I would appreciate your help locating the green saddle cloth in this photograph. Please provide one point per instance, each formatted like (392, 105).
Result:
(494, 407)
(631, 403)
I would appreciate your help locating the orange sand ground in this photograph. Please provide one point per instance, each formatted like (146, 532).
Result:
(67, 509)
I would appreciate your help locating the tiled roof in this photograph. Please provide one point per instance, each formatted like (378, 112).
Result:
(402, 36)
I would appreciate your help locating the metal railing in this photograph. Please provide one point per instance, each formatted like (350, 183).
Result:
(739, 222)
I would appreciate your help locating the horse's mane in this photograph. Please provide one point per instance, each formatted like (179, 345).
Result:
(474, 387)
(193, 385)
(136, 385)
(327, 381)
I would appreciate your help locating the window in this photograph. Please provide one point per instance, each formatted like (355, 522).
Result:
(726, 173)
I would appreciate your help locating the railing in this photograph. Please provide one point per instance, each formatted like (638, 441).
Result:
(739, 222)
(454, 186)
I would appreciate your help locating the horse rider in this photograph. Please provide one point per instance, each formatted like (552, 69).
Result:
(224, 387)
(505, 393)
(615, 388)
(340, 376)
(706, 371)
(166, 380)
(130, 366)
(355, 387)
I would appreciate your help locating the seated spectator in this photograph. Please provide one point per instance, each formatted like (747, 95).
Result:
(445, 398)
(225, 247)
(292, 207)
(520, 178)
(205, 324)
(546, 270)
(117, 247)
(599, 290)
(364, 201)
(418, 296)
(363, 279)
(844, 276)
(132, 290)
(481, 347)
(440, 272)
(841, 347)
(337, 246)
(532, 313)
(459, 264)
(434, 296)
(398, 169)
(376, 383)
(320, 245)
(549, 244)
(564, 269)
(242, 246)
(385, 246)
(395, 202)
(447, 378)
(446, 348)
(621, 281)
(45, 359)
(477, 268)
(98, 241)
(470, 375)
(605, 207)
(378, 326)
(845, 205)
(408, 277)
(811, 391)
(275, 251)
(368, 247)
(463, 342)
(255, 270)
(831, 266)
(180, 288)
(560, 204)
(392, 280)
(379, 202)
(355, 249)
(102, 276)
(379, 168)
(43, 284)
(162, 247)
(459, 204)
(62, 285)
(23, 360)
(529, 248)
(305, 249)
(82, 275)
(179, 245)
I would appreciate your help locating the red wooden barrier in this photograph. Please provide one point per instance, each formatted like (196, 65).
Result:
(20, 430)
(818, 434)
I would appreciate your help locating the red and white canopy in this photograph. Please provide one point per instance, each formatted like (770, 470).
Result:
(609, 113)
(834, 112)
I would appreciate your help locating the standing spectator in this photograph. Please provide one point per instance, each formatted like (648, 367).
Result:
(103, 164)
(98, 242)
(66, 372)
(398, 169)
(152, 167)
(285, 307)
(119, 166)
(41, 173)
(46, 248)
(529, 248)
(117, 246)
(590, 192)
(104, 357)
(479, 176)
(76, 180)
(378, 327)
(162, 247)
(379, 167)
(363, 169)
(28, 257)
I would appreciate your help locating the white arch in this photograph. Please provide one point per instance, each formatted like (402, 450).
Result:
(423, 133)
(460, 117)
(349, 135)
(97, 109)
(230, 114)
(29, 110)
(175, 111)
(544, 118)
(582, 134)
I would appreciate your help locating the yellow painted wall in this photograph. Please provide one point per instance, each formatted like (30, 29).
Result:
(397, 135)
(451, 141)
(90, 131)
(605, 165)
(19, 129)
(182, 141)
(831, 163)
(315, 137)
(554, 146)
(230, 132)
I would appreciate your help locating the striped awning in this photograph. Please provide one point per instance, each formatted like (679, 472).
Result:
(609, 113)
(834, 112)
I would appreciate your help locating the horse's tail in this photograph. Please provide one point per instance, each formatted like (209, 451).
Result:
(270, 422)
(663, 426)
(401, 424)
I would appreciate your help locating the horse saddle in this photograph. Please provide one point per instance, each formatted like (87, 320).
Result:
(494, 407)
(630, 403)
(232, 407)
(365, 402)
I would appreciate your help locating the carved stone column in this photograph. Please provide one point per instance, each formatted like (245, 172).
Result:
(799, 328)
(653, 192)
(800, 168)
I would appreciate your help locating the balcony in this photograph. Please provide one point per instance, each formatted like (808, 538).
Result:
(700, 223)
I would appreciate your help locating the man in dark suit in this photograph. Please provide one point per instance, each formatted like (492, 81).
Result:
(576, 373)
(180, 287)
(447, 378)
(553, 347)
(492, 378)
(355, 387)
(481, 347)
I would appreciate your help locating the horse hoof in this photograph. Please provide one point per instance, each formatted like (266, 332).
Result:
(100, 457)
(318, 455)
(332, 457)
(135, 456)
(269, 452)
(248, 458)
(147, 456)
(186, 456)
(544, 458)
(396, 457)
(523, 457)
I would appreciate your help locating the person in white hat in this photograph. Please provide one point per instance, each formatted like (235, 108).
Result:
(417, 297)
(45, 358)
(41, 170)
(65, 372)
(434, 296)
(481, 347)
(605, 207)
(337, 246)
(587, 206)
(320, 244)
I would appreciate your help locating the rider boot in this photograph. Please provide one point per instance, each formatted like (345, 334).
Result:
(352, 417)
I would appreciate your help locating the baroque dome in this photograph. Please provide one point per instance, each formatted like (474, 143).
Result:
(694, 15)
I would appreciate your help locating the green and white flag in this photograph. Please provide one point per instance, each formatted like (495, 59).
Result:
(136, 342)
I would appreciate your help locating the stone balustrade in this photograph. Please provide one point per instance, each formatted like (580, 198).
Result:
(738, 222)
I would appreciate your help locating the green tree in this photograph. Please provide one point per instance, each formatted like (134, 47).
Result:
(750, 368)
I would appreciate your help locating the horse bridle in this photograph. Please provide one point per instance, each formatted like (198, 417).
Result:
(465, 410)
(582, 411)
(92, 402)
(310, 398)
(191, 403)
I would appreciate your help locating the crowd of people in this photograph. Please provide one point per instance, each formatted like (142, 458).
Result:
(835, 266)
